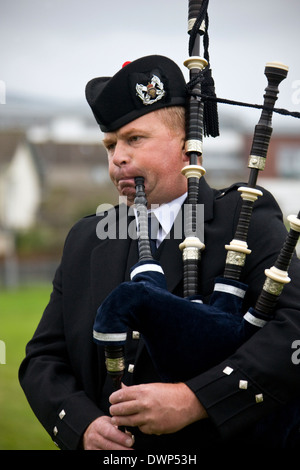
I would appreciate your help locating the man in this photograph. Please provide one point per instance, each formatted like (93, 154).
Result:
(64, 375)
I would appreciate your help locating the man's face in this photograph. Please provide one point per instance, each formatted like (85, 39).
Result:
(147, 147)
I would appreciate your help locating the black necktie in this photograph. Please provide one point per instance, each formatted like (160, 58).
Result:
(153, 226)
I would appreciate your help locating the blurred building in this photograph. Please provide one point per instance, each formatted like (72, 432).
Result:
(281, 175)
(50, 176)
(20, 182)
(53, 171)
(37, 164)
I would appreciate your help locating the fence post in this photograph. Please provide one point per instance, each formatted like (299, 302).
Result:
(2, 352)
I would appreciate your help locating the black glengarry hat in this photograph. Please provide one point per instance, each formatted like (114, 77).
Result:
(141, 86)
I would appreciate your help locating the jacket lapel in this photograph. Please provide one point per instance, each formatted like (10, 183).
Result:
(111, 259)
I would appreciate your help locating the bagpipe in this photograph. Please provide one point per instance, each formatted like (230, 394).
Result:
(180, 333)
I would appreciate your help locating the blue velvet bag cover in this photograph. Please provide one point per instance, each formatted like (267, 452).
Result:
(184, 337)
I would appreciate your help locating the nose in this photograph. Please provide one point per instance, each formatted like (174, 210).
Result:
(121, 155)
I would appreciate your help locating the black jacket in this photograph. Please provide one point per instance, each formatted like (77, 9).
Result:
(64, 376)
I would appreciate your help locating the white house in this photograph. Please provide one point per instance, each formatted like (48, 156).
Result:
(20, 190)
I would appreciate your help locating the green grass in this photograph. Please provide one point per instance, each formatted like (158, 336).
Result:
(20, 311)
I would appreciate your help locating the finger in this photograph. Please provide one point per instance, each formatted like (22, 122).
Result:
(124, 394)
(116, 436)
(131, 435)
(120, 441)
(125, 408)
(103, 435)
(127, 421)
(112, 445)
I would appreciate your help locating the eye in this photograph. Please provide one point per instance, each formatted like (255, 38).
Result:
(110, 147)
(134, 138)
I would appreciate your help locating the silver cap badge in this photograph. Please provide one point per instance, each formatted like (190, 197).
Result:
(151, 93)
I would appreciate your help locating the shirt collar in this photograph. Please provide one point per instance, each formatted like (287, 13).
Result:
(166, 214)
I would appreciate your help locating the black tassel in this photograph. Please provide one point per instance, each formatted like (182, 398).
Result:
(210, 111)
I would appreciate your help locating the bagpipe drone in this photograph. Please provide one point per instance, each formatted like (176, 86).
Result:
(169, 323)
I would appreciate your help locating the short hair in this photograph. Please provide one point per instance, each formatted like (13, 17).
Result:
(173, 117)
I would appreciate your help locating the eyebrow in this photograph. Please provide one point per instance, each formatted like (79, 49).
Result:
(108, 140)
(134, 130)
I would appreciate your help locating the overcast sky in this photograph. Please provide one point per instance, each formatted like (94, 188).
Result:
(53, 47)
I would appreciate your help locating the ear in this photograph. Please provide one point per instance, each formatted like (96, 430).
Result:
(185, 158)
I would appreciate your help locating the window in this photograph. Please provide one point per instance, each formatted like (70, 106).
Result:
(288, 161)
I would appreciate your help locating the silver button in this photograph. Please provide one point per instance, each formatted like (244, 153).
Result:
(243, 384)
(55, 430)
(259, 398)
(62, 414)
(135, 335)
(130, 367)
(228, 370)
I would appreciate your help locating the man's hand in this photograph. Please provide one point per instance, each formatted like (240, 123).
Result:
(103, 435)
(156, 408)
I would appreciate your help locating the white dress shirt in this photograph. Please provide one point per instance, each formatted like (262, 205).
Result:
(166, 214)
